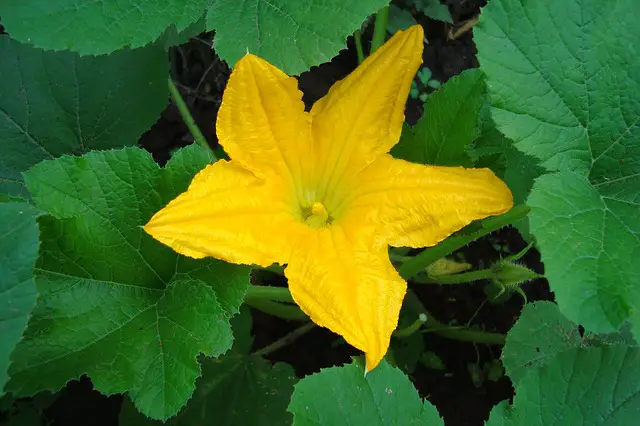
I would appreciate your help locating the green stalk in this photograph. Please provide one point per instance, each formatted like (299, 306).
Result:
(432, 325)
(462, 278)
(279, 294)
(415, 326)
(277, 309)
(427, 257)
(198, 137)
(285, 340)
(380, 29)
(357, 37)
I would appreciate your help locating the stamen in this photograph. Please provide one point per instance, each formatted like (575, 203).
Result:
(318, 209)
(317, 216)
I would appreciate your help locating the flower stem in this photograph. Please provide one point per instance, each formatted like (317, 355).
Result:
(198, 137)
(380, 29)
(420, 262)
(286, 339)
(357, 37)
(408, 331)
(277, 309)
(462, 278)
(432, 325)
(279, 294)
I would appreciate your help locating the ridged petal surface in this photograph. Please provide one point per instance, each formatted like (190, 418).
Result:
(343, 279)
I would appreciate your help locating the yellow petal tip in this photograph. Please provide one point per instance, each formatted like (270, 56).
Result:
(372, 361)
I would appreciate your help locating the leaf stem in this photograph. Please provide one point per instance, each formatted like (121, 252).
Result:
(464, 334)
(198, 137)
(418, 264)
(285, 340)
(279, 294)
(462, 278)
(468, 25)
(415, 326)
(280, 310)
(357, 37)
(380, 29)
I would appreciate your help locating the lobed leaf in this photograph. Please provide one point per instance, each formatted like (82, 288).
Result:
(344, 395)
(572, 101)
(595, 386)
(96, 27)
(55, 103)
(292, 35)
(18, 253)
(235, 389)
(450, 123)
(114, 304)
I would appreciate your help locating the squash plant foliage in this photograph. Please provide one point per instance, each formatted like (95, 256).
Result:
(139, 276)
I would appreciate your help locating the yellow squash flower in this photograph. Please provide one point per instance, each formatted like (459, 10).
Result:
(319, 192)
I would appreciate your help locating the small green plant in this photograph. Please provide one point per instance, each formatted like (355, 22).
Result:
(419, 88)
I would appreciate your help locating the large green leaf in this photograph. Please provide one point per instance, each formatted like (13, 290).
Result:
(540, 333)
(235, 389)
(595, 386)
(291, 34)
(54, 103)
(114, 303)
(96, 27)
(450, 123)
(572, 101)
(345, 396)
(18, 253)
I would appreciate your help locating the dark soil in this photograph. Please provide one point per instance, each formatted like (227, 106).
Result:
(201, 75)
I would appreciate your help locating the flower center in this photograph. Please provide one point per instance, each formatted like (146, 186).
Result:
(316, 216)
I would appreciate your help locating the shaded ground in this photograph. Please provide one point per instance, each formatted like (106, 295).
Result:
(202, 77)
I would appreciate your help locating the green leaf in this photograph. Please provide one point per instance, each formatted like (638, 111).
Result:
(399, 19)
(96, 27)
(345, 396)
(589, 244)
(434, 10)
(114, 303)
(236, 389)
(55, 103)
(517, 169)
(595, 386)
(292, 35)
(571, 101)
(19, 243)
(173, 37)
(449, 125)
(540, 333)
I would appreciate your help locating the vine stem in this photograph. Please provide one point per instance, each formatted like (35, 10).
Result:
(462, 278)
(415, 326)
(418, 264)
(464, 334)
(280, 310)
(279, 294)
(468, 25)
(430, 324)
(286, 339)
(380, 29)
(198, 137)
(357, 37)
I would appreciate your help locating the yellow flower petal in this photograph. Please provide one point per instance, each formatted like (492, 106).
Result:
(230, 214)
(418, 206)
(343, 279)
(262, 123)
(361, 117)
